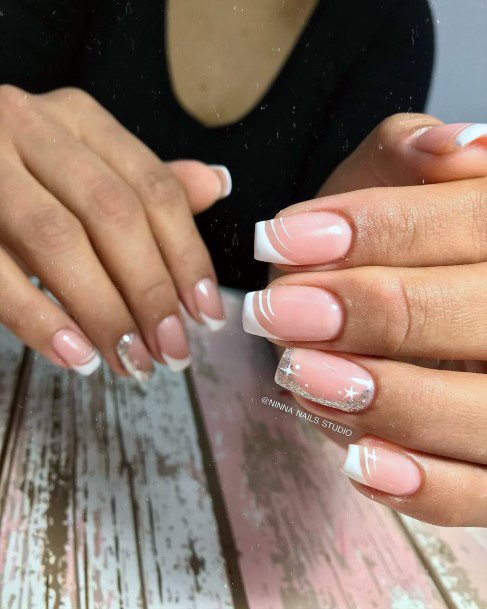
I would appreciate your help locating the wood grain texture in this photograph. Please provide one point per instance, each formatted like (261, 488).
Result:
(306, 539)
(11, 351)
(107, 505)
(106, 497)
(457, 558)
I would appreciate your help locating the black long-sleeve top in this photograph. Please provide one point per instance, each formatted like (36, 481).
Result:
(357, 62)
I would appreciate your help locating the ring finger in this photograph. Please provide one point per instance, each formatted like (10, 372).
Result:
(415, 407)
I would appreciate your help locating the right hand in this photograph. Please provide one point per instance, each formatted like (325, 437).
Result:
(108, 228)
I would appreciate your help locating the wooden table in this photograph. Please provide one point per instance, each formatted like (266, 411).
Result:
(195, 493)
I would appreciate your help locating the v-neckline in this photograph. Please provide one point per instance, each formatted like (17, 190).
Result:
(274, 85)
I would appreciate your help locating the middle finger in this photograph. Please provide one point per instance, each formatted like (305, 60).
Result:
(438, 312)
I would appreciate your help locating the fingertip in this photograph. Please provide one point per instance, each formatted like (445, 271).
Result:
(225, 178)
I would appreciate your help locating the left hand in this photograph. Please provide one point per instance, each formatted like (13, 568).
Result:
(396, 269)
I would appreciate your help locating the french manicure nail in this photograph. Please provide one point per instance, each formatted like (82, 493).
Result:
(325, 379)
(302, 238)
(172, 343)
(209, 304)
(292, 313)
(225, 178)
(447, 138)
(76, 352)
(134, 357)
(382, 469)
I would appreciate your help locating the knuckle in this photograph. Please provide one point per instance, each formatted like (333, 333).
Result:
(51, 231)
(161, 189)
(398, 313)
(475, 206)
(13, 101)
(77, 94)
(157, 292)
(113, 203)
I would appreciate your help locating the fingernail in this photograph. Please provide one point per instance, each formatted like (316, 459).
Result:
(225, 178)
(309, 238)
(173, 344)
(134, 357)
(382, 469)
(209, 303)
(326, 379)
(447, 138)
(292, 313)
(76, 352)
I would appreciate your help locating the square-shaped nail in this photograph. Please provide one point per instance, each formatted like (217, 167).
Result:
(383, 469)
(303, 238)
(325, 379)
(292, 313)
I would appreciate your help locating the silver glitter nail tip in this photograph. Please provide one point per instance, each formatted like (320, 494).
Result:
(288, 381)
(124, 346)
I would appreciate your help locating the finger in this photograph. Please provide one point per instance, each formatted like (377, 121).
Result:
(433, 489)
(53, 244)
(415, 407)
(81, 114)
(433, 313)
(117, 226)
(408, 149)
(199, 184)
(165, 200)
(429, 225)
(40, 324)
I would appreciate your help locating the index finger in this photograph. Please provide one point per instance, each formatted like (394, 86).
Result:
(429, 225)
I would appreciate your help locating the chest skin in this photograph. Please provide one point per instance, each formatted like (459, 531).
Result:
(224, 55)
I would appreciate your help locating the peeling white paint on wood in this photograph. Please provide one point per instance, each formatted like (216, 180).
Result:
(106, 501)
(458, 559)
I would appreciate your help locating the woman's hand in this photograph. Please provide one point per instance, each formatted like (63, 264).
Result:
(392, 272)
(109, 230)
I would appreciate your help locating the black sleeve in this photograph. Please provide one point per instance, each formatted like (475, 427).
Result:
(391, 75)
(40, 41)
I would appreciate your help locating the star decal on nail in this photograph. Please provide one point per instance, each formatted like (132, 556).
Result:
(350, 393)
(288, 370)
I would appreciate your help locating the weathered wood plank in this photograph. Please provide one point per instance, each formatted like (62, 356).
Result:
(11, 351)
(457, 558)
(106, 504)
(306, 538)
(177, 531)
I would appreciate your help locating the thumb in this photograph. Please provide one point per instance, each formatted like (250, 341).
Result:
(410, 149)
(203, 184)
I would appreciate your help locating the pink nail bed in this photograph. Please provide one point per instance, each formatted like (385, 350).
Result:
(302, 238)
(209, 304)
(325, 379)
(292, 313)
(172, 343)
(385, 470)
(447, 138)
(76, 352)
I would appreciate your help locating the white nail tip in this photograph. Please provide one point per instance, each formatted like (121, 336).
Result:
(249, 321)
(213, 324)
(176, 365)
(470, 134)
(351, 467)
(263, 248)
(227, 177)
(89, 367)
